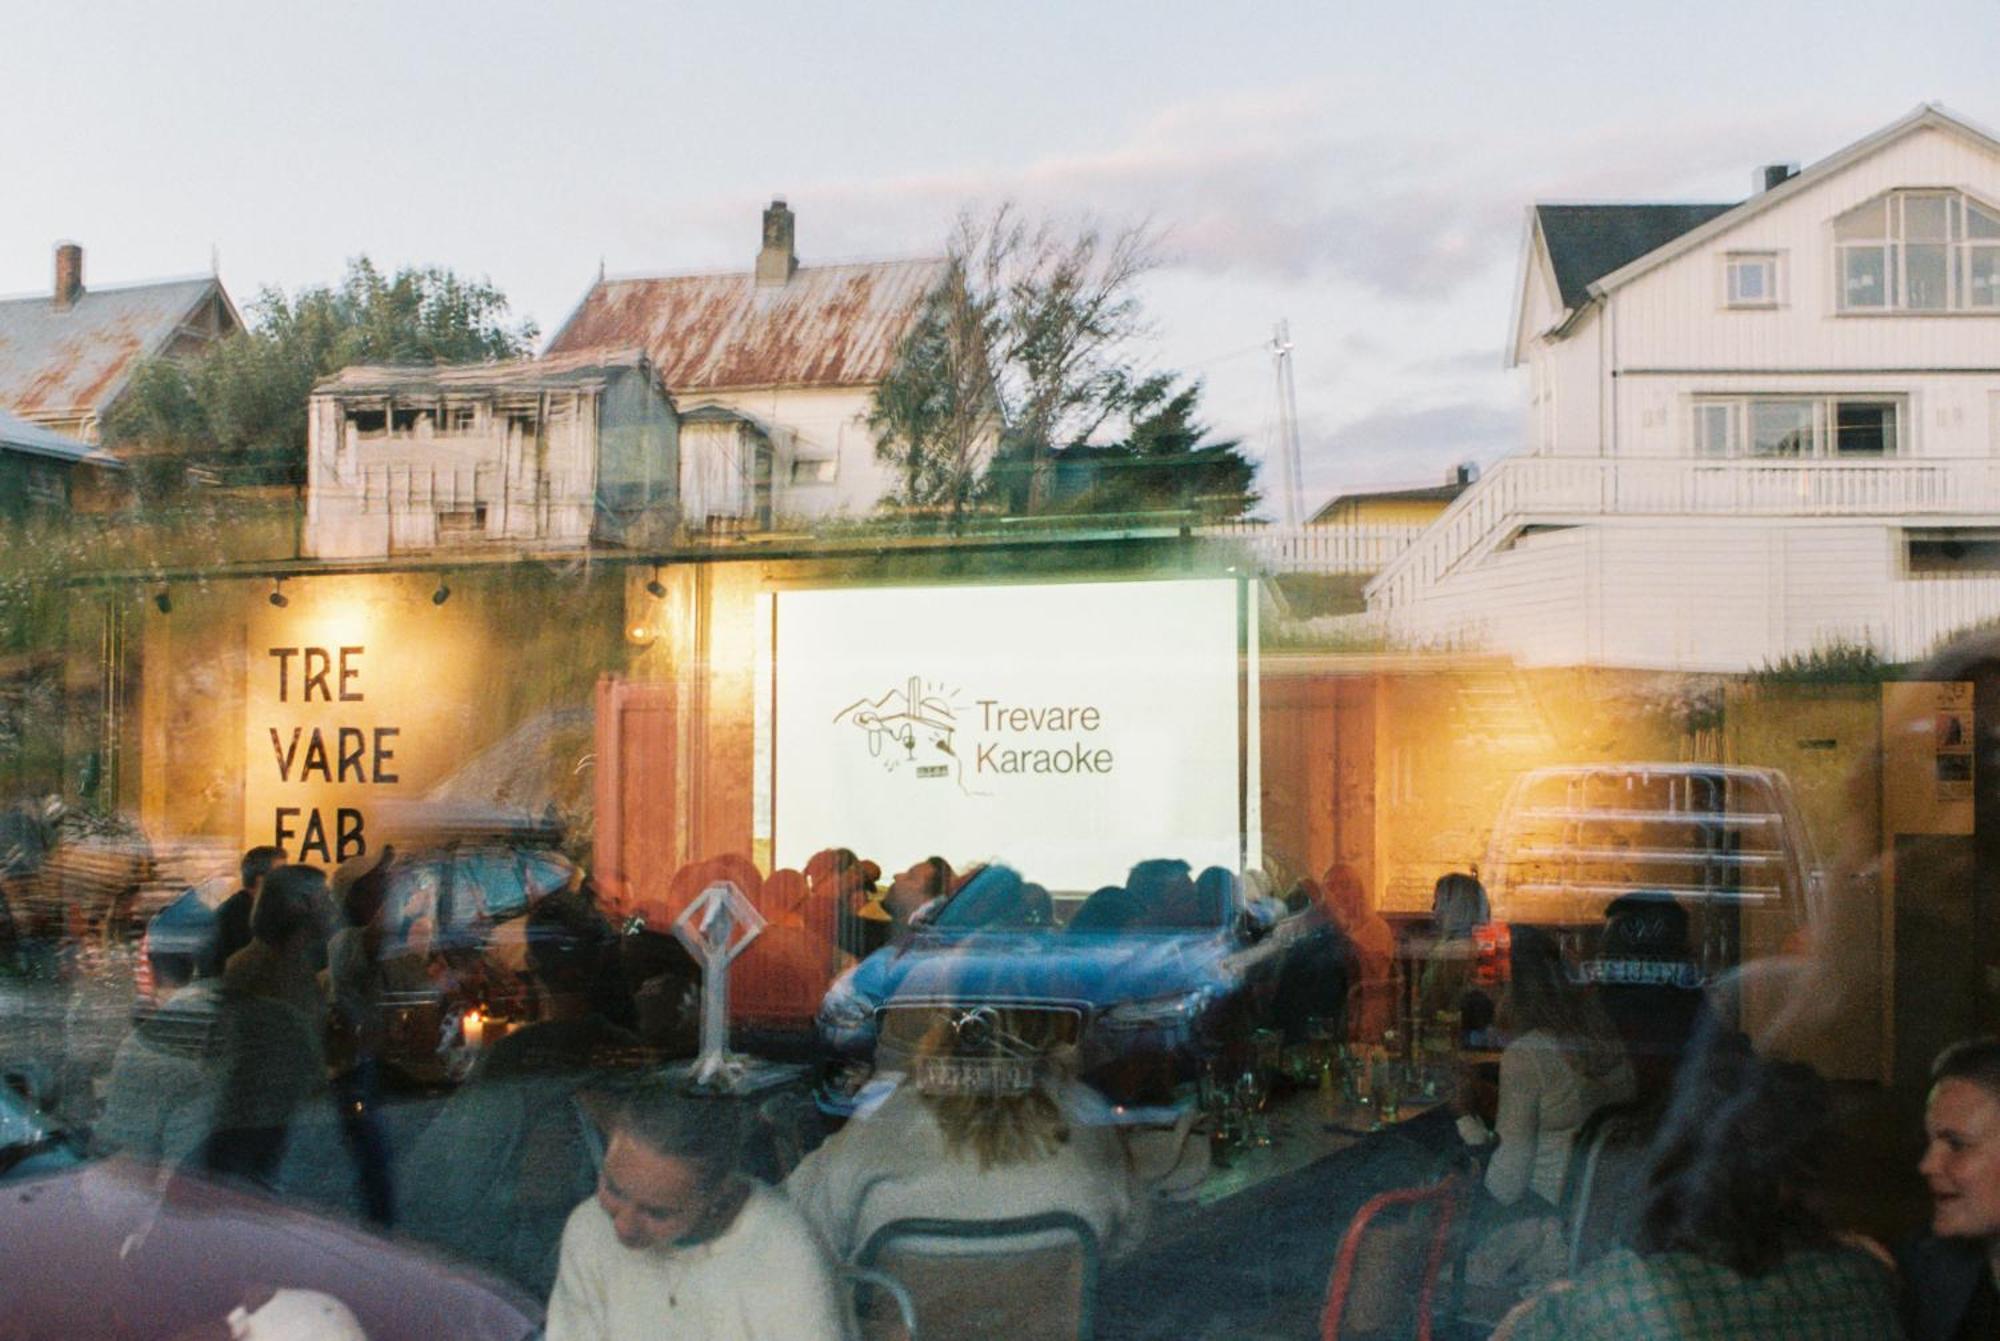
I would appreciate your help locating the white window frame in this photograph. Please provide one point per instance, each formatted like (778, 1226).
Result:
(1894, 244)
(1731, 413)
(1736, 263)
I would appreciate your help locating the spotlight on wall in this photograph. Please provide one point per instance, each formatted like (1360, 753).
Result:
(277, 596)
(655, 588)
(163, 601)
(442, 594)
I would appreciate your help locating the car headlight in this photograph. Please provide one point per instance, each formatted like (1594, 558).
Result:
(1175, 1011)
(845, 1008)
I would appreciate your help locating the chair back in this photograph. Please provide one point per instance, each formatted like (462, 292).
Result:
(1606, 1178)
(1385, 1279)
(1030, 1277)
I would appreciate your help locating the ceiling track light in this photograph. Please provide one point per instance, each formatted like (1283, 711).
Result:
(163, 600)
(442, 594)
(277, 596)
(654, 587)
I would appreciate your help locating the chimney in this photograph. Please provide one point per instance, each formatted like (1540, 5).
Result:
(1772, 174)
(1465, 472)
(776, 262)
(69, 275)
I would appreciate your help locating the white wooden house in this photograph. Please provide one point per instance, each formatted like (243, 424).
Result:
(1755, 429)
(774, 370)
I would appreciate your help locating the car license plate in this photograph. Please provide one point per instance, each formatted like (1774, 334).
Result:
(974, 1075)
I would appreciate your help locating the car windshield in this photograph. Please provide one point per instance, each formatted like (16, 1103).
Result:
(1147, 670)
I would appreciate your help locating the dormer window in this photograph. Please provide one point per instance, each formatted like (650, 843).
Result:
(1751, 278)
(1919, 251)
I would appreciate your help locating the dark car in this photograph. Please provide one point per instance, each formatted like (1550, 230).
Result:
(1147, 982)
(111, 1248)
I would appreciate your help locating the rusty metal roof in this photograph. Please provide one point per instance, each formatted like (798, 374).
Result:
(18, 435)
(76, 360)
(828, 325)
(428, 379)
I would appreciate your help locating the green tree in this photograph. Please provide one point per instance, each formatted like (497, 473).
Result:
(240, 406)
(1163, 464)
(935, 414)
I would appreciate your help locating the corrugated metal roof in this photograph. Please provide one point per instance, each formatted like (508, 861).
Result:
(1588, 242)
(426, 379)
(76, 360)
(828, 325)
(18, 435)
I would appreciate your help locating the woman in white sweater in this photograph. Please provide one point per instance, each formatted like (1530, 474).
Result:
(1010, 1149)
(1564, 1062)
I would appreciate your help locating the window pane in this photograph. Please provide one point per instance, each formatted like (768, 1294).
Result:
(1924, 219)
(1781, 428)
(1750, 280)
(1982, 273)
(1867, 223)
(1864, 428)
(1864, 274)
(1711, 430)
(1981, 222)
(1925, 272)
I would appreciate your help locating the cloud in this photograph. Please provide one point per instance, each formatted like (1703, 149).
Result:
(1262, 187)
(1281, 187)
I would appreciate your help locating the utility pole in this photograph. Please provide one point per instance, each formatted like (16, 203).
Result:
(1288, 422)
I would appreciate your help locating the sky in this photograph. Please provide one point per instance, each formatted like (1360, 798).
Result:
(1359, 171)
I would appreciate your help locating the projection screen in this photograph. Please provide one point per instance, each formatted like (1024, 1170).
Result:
(1068, 729)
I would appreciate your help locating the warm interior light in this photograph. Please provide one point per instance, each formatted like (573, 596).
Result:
(641, 634)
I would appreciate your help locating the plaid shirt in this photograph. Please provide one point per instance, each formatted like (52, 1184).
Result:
(1827, 1294)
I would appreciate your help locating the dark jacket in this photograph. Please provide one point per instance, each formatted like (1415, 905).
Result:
(1945, 1283)
(232, 927)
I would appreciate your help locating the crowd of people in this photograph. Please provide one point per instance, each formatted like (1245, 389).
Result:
(632, 1202)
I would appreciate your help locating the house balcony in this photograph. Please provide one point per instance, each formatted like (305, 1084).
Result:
(1556, 490)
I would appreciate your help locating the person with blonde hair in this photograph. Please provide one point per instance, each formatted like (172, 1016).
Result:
(973, 1138)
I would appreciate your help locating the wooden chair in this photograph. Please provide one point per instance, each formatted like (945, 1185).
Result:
(1030, 1277)
(1387, 1276)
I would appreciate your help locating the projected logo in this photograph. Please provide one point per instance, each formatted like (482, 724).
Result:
(910, 731)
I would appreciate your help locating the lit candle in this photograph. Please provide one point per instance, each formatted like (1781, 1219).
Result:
(475, 1029)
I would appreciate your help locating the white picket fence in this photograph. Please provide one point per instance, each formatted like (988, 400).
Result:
(1317, 549)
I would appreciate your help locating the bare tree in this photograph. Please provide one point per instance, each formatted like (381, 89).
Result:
(1021, 348)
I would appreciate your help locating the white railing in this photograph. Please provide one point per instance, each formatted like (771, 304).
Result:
(1318, 549)
(1554, 488)
(1923, 613)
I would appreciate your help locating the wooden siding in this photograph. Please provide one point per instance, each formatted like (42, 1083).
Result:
(812, 424)
(1673, 317)
(1721, 594)
(1534, 589)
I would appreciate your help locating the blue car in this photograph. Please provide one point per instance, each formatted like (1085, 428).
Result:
(1146, 982)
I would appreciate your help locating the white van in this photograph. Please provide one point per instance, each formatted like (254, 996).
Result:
(1727, 842)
